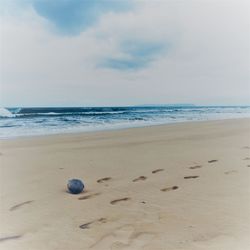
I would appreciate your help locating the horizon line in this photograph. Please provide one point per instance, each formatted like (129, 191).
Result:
(139, 105)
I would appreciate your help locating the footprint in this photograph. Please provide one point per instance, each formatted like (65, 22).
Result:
(113, 202)
(102, 220)
(231, 172)
(195, 167)
(86, 197)
(86, 225)
(191, 177)
(211, 161)
(19, 205)
(157, 170)
(248, 166)
(169, 188)
(104, 179)
(14, 237)
(246, 147)
(124, 237)
(246, 159)
(141, 178)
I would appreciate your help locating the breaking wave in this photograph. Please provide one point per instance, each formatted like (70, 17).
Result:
(5, 113)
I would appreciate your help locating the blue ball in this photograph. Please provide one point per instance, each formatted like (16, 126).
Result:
(75, 186)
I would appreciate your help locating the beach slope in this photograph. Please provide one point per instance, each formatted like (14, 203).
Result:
(180, 186)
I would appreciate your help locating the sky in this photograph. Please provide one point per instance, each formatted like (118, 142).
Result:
(124, 52)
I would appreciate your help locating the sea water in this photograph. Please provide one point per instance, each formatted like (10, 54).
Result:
(16, 122)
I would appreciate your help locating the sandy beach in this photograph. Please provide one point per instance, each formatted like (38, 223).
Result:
(179, 186)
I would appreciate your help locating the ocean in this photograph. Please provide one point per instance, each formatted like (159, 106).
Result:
(15, 122)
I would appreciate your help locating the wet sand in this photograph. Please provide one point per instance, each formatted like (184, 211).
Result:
(180, 186)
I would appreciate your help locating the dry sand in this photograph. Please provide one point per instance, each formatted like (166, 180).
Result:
(179, 186)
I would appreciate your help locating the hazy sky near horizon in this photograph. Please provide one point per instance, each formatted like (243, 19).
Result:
(124, 52)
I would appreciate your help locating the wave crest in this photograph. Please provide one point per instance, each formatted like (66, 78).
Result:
(5, 113)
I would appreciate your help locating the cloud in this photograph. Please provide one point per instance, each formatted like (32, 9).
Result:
(157, 52)
(73, 16)
(135, 55)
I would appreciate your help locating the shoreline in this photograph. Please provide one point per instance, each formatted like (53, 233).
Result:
(76, 133)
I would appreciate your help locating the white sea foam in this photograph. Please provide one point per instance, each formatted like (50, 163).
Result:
(5, 113)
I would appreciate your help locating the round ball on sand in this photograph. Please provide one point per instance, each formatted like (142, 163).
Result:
(75, 186)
